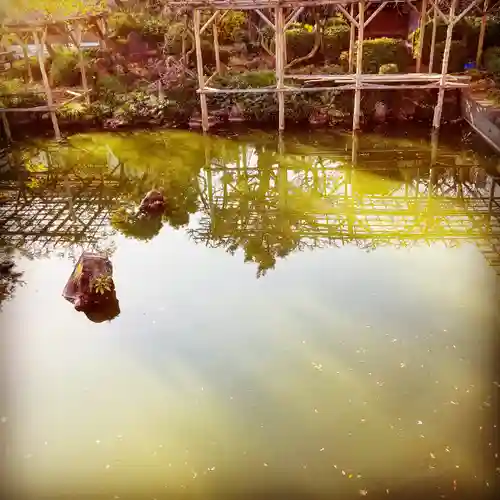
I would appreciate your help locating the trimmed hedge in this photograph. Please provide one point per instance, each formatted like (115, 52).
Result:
(386, 69)
(335, 41)
(458, 56)
(492, 60)
(381, 51)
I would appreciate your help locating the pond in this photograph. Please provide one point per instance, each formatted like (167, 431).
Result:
(296, 324)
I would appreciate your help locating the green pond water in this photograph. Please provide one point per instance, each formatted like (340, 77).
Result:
(296, 324)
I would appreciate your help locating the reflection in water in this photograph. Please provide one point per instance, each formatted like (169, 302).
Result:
(342, 370)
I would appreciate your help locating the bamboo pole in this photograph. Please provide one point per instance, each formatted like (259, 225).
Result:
(438, 110)
(482, 33)
(359, 66)
(352, 40)
(423, 15)
(199, 67)
(280, 34)
(6, 127)
(433, 41)
(216, 44)
(81, 60)
(39, 44)
(26, 58)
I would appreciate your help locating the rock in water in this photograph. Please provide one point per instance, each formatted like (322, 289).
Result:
(153, 202)
(90, 287)
(6, 266)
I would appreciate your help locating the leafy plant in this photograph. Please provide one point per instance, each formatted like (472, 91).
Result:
(388, 68)
(380, 51)
(102, 284)
(232, 26)
(335, 40)
(492, 60)
(73, 110)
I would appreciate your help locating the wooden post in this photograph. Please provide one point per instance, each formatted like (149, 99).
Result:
(216, 45)
(81, 60)
(199, 67)
(423, 19)
(359, 66)
(39, 44)
(280, 33)
(26, 58)
(433, 41)
(352, 40)
(438, 110)
(6, 126)
(482, 34)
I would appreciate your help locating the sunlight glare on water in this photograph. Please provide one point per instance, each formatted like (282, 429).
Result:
(291, 323)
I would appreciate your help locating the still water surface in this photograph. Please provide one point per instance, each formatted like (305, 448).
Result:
(293, 324)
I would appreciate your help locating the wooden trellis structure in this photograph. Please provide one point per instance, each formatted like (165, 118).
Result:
(441, 200)
(63, 211)
(281, 13)
(72, 28)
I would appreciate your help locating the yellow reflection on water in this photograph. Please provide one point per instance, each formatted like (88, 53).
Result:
(357, 367)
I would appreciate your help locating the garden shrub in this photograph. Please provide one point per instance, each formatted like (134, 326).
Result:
(458, 56)
(14, 93)
(232, 28)
(64, 68)
(386, 69)
(380, 51)
(466, 31)
(335, 41)
(173, 39)
(299, 40)
(122, 23)
(18, 69)
(492, 60)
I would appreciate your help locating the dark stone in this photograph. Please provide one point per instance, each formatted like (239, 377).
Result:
(153, 202)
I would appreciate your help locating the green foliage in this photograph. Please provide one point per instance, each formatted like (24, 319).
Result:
(380, 51)
(466, 31)
(458, 56)
(18, 69)
(335, 41)
(64, 68)
(73, 111)
(102, 284)
(492, 60)
(173, 38)
(299, 40)
(250, 79)
(232, 27)
(386, 69)
(122, 23)
(14, 93)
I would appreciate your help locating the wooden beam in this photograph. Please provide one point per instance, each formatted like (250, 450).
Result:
(280, 65)
(410, 3)
(293, 17)
(474, 4)
(359, 67)
(438, 110)
(6, 127)
(374, 15)
(352, 41)
(39, 44)
(81, 61)
(421, 37)
(209, 22)
(265, 18)
(438, 10)
(342, 9)
(199, 67)
(433, 40)
(482, 34)
(216, 45)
